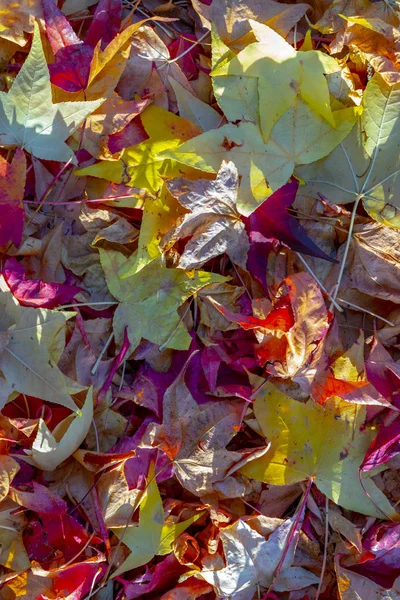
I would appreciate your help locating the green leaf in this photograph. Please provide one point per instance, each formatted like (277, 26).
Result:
(193, 109)
(152, 535)
(143, 165)
(282, 75)
(321, 442)
(299, 137)
(366, 164)
(34, 340)
(149, 300)
(28, 117)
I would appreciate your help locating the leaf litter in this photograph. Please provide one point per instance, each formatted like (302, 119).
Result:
(199, 316)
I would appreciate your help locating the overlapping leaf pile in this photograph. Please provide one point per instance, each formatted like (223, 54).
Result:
(199, 291)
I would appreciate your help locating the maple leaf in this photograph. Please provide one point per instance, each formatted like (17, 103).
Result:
(213, 224)
(149, 300)
(34, 341)
(195, 437)
(12, 186)
(73, 57)
(283, 75)
(251, 561)
(18, 18)
(271, 222)
(88, 69)
(35, 292)
(143, 165)
(366, 164)
(233, 20)
(324, 443)
(297, 138)
(24, 123)
(152, 535)
(51, 448)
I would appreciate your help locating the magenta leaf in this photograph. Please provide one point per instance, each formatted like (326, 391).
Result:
(34, 292)
(383, 541)
(12, 185)
(73, 57)
(271, 223)
(383, 448)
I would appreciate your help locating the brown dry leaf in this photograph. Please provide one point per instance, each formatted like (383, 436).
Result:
(210, 317)
(213, 223)
(12, 550)
(330, 21)
(231, 18)
(18, 17)
(195, 437)
(147, 70)
(116, 499)
(8, 470)
(111, 117)
(310, 325)
(373, 265)
(375, 38)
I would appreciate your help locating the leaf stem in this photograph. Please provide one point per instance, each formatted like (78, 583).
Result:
(321, 578)
(346, 250)
(104, 350)
(292, 533)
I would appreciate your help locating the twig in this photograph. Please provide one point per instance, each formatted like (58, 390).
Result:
(346, 250)
(356, 307)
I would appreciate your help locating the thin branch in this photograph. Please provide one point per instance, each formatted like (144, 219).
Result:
(369, 312)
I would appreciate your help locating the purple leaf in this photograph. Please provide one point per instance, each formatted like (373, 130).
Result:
(34, 292)
(383, 540)
(271, 223)
(383, 448)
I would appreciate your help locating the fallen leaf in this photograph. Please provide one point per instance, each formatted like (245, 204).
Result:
(12, 188)
(152, 535)
(51, 448)
(324, 443)
(22, 121)
(35, 292)
(34, 346)
(149, 300)
(196, 438)
(251, 562)
(232, 20)
(213, 224)
(365, 170)
(143, 165)
(265, 167)
(271, 222)
(300, 75)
